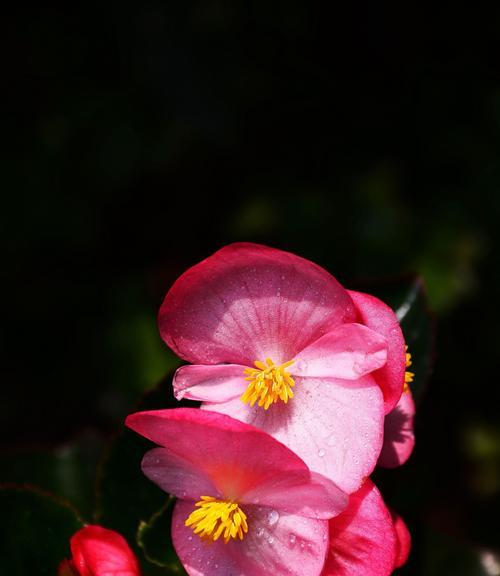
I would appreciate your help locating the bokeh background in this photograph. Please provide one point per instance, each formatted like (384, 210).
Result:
(142, 136)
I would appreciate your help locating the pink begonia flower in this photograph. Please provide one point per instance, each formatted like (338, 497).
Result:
(97, 551)
(277, 342)
(246, 505)
(362, 538)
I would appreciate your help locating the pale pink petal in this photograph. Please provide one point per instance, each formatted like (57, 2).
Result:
(362, 539)
(399, 438)
(276, 544)
(379, 317)
(403, 540)
(335, 426)
(348, 352)
(248, 302)
(235, 457)
(304, 493)
(100, 552)
(210, 383)
(176, 475)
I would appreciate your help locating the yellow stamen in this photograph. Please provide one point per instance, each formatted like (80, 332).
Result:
(408, 375)
(268, 383)
(215, 518)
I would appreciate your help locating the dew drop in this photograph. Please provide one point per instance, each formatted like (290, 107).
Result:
(273, 517)
(292, 538)
(270, 539)
(321, 453)
(260, 531)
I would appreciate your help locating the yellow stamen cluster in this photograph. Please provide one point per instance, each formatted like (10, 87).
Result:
(408, 375)
(268, 383)
(215, 518)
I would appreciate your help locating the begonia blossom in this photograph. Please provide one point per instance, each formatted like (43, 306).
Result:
(246, 505)
(97, 551)
(363, 540)
(275, 341)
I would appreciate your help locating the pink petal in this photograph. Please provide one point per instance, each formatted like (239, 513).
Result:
(101, 552)
(210, 383)
(379, 317)
(276, 544)
(362, 540)
(348, 352)
(176, 475)
(335, 426)
(403, 540)
(303, 493)
(399, 438)
(233, 456)
(248, 302)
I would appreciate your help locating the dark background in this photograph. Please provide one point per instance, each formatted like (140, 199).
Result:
(142, 136)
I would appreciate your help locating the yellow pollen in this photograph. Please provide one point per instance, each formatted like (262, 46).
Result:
(408, 375)
(215, 518)
(268, 383)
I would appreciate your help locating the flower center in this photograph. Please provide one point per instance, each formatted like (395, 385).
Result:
(268, 383)
(408, 375)
(215, 518)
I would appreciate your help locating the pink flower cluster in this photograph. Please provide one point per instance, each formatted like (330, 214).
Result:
(304, 391)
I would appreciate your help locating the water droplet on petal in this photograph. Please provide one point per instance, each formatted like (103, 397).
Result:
(260, 531)
(321, 453)
(270, 539)
(292, 538)
(273, 517)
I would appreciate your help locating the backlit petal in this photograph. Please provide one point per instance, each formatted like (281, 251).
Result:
(348, 352)
(233, 456)
(210, 383)
(304, 493)
(362, 540)
(175, 474)
(379, 317)
(248, 302)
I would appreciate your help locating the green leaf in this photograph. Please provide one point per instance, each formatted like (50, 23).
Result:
(36, 529)
(154, 537)
(409, 301)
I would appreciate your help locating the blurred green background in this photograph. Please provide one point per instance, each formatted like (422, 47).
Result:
(142, 136)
